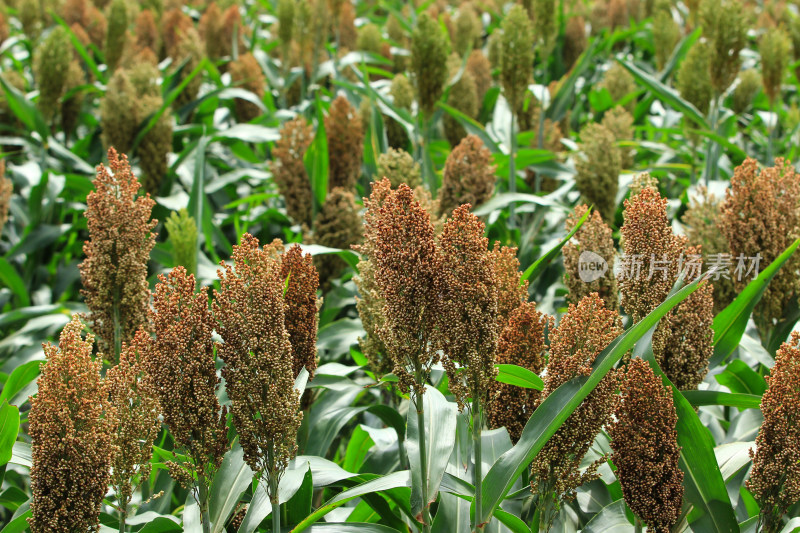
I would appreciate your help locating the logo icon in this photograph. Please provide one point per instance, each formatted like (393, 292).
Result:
(591, 267)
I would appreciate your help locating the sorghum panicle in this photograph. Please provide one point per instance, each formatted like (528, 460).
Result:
(481, 70)
(682, 343)
(694, 78)
(256, 348)
(775, 477)
(469, 320)
(116, 34)
(703, 221)
(620, 123)
(114, 273)
(593, 236)
(345, 144)
(521, 343)
(761, 215)
(598, 169)
(619, 83)
(725, 28)
(774, 49)
(645, 445)
(301, 308)
(463, 97)
(516, 56)
(583, 333)
(338, 225)
(402, 94)
(398, 167)
(51, 61)
(429, 50)
(136, 403)
(71, 428)
(399, 239)
(181, 365)
(511, 291)
(745, 91)
(246, 73)
(289, 171)
(468, 177)
(182, 230)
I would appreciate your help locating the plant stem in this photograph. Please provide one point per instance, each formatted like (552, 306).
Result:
(477, 478)
(638, 526)
(423, 461)
(123, 515)
(205, 518)
(276, 515)
(512, 172)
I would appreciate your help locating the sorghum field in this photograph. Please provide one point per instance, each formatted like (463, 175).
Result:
(363, 266)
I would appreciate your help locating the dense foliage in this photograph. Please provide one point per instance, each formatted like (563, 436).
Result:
(373, 266)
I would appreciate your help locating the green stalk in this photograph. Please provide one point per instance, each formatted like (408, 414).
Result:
(273, 492)
(512, 172)
(477, 478)
(638, 526)
(423, 462)
(711, 152)
(423, 459)
(205, 517)
(123, 515)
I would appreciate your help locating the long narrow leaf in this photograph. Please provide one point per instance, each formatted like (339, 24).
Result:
(533, 271)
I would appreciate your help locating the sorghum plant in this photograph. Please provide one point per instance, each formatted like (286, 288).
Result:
(522, 343)
(135, 401)
(289, 172)
(596, 237)
(682, 342)
(469, 323)
(114, 273)
(775, 477)
(182, 230)
(181, 365)
(71, 427)
(345, 144)
(575, 343)
(399, 240)
(512, 291)
(250, 316)
(398, 167)
(598, 169)
(246, 73)
(703, 222)
(51, 61)
(761, 217)
(301, 308)
(6, 190)
(429, 50)
(337, 225)
(468, 175)
(646, 451)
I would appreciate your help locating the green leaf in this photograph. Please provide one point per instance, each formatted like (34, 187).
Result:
(9, 427)
(316, 159)
(731, 322)
(231, 480)
(666, 94)
(610, 519)
(440, 437)
(699, 398)
(518, 376)
(503, 200)
(21, 454)
(358, 446)
(19, 522)
(351, 527)
(382, 483)
(511, 522)
(533, 271)
(10, 278)
(19, 379)
(25, 111)
(85, 55)
(739, 377)
(472, 126)
(557, 407)
(299, 506)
